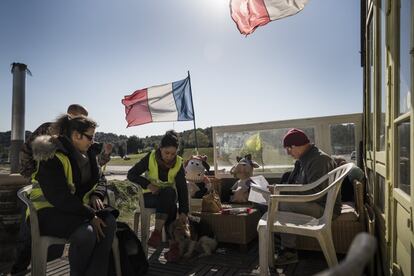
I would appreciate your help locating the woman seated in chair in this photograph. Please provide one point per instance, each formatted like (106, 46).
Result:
(68, 195)
(164, 183)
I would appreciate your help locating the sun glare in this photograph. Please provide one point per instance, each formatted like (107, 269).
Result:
(216, 7)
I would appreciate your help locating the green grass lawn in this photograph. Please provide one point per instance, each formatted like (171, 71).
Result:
(134, 158)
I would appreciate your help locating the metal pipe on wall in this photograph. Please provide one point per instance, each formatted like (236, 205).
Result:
(18, 112)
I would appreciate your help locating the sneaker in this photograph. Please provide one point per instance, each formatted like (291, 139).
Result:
(155, 239)
(287, 256)
(173, 255)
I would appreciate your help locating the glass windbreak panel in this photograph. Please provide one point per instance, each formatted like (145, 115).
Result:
(371, 86)
(265, 146)
(404, 157)
(343, 141)
(405, 57)
(381, 142)
(380, 193)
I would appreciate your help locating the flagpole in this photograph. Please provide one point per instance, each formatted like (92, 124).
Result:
(261, 157)
(192, 105)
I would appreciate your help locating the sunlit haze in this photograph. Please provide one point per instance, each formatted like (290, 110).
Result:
(97, 51)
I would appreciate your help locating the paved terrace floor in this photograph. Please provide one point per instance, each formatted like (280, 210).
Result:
(227, 260)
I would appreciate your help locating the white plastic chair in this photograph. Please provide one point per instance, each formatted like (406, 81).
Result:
(145, 215)
(40, 244)
(299, 224)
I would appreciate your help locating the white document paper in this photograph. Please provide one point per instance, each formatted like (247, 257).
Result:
(259, 192)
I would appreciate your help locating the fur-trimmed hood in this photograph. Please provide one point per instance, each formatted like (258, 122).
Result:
(44, 147)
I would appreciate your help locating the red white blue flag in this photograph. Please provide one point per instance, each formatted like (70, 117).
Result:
(250, 14)
(161, 103)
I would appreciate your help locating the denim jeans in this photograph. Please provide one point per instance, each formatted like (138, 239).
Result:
(165, 204)
(87, 255)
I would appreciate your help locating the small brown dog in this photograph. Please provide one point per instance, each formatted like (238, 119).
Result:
(193, 237)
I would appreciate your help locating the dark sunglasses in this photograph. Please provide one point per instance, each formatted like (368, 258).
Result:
(90, 137)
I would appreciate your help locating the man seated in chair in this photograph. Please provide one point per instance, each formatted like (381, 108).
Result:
(311, 164)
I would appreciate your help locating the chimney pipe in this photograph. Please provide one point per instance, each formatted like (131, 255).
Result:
(18, 111)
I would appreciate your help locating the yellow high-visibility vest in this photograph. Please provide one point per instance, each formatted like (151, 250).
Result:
(37, 196)
(153, 172)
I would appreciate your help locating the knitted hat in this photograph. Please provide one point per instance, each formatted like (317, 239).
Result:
(295, 137)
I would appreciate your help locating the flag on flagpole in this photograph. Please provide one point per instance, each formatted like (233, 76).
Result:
(250, 14)
(253, 143)
(254, 146)
(161, 103)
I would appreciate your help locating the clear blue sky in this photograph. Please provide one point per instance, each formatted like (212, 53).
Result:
(94, 52)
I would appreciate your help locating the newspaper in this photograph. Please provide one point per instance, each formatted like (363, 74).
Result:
(259, 192)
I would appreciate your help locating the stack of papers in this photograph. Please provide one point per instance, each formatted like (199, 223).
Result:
(259, 192)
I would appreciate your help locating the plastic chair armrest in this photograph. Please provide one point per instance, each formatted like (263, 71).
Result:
(299, 187)
(298, 198)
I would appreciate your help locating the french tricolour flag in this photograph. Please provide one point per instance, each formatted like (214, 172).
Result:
(161, 103)
(250, 14)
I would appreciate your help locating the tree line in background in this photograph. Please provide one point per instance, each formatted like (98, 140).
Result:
(342, 139)
(124, 145)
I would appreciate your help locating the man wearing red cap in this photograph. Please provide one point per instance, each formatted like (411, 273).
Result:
(311, 164)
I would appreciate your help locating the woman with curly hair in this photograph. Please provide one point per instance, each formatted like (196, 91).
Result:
(68, 194)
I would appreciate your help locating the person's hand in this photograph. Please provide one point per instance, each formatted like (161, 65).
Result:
(108, 148)
(153, 188)
(271, 188)
(96, 203)
(183, 218)
(98, 225)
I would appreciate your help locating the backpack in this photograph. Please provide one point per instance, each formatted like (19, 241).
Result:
(132, 256)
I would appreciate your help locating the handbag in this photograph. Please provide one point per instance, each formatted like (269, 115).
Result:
(132, 257)
(211, 203)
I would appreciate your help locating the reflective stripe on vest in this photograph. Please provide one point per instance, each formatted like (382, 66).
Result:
(86, 197)
(36, 195)
(153, 172)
